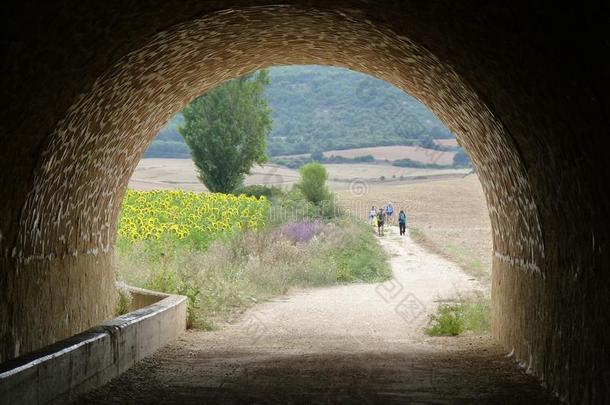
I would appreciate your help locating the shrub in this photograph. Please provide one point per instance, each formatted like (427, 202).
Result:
(448, 321)
(317, 156)
(360, 260)
(294, 207)
(297, 162)
(364, 158)
(293, 163)
(417, 164)
(342, 159)
(473, 315)
(477, 315)
(302, 231)
(260, 190)
(124, 299)
(313, 183)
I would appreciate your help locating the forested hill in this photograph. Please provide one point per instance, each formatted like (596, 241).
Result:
(317, 108)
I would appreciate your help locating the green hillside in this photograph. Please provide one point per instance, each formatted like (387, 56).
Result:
(318, 108)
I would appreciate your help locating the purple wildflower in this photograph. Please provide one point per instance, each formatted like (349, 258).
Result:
(302, 231)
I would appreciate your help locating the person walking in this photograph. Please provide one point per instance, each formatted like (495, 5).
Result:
(402, 222)
(380, 221)
(389, 210)
(372, 214)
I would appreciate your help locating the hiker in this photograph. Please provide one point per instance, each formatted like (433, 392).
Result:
(372, 215)
(380, 221)
(389, 210)
(402, 222)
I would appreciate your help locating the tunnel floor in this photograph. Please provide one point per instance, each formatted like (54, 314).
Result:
(360, 343)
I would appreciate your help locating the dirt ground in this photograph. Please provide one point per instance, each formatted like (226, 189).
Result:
(361, 343)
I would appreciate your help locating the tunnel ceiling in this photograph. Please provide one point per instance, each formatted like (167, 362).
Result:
(80, 180)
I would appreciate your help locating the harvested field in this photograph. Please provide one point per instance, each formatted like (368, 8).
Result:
(396, 152)
(181, 174)
(447, 216)
(447, 142)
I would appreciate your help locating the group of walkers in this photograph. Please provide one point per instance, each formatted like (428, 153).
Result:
(384, 216)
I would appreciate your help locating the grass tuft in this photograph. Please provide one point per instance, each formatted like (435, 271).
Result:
(123, 304)
(468, 315)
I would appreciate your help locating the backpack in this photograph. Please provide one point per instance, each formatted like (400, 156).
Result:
(380, 217)
(402, 217)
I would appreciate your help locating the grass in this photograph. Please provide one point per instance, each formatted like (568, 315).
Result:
(471, 315)
(123, 304)
(361, 259)
(471, 265)
(250, 266)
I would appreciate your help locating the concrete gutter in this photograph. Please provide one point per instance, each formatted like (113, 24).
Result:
(63, 371)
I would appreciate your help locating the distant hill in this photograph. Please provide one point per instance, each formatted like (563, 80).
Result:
(318, 108)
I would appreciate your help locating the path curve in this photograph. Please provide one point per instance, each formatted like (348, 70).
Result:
(358, 343)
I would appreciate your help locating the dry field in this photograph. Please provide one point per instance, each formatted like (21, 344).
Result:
(398, 152)
(395, 152)
(447, 142)
(449, 217)
(341, 173)
(181, 173)
(446, 211)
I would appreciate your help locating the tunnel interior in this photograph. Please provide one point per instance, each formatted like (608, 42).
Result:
(525, 96)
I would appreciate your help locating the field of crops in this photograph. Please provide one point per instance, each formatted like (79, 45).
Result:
(189, 219)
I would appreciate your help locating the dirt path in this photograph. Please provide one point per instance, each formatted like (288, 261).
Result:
(360, 343)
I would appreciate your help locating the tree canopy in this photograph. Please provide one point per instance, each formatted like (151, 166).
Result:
(226, 130)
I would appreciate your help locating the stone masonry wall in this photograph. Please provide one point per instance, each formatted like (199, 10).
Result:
(89, 87)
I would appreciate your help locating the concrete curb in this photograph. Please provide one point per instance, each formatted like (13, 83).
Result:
(63, 371)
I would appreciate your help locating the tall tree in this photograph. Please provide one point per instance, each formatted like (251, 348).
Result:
(226, 129)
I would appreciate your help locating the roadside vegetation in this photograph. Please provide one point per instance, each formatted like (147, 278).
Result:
(226, 252)
(465, 315)
(470, 264)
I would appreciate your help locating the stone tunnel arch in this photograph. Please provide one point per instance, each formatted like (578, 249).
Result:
(59, 228)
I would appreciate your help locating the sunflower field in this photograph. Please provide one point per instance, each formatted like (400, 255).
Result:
(186, 219)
